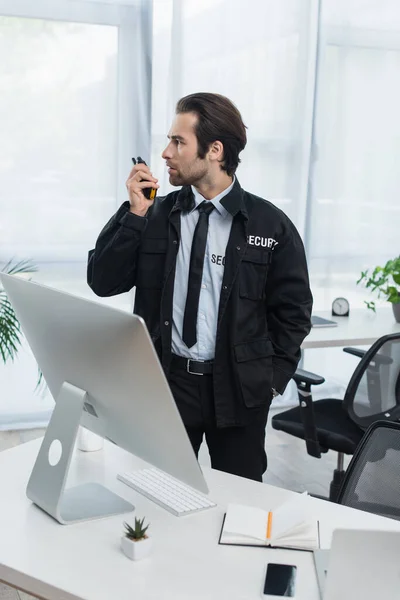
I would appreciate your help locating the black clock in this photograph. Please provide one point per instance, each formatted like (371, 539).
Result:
(340, 307)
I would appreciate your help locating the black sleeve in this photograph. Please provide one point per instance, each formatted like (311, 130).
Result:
(289, 303)
(112, 263)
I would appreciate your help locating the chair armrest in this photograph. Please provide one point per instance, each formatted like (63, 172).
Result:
(379, 359)
(304, 380)
(355, 352)
(307, 377)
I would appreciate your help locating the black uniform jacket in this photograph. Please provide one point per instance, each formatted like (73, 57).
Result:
(265, 303)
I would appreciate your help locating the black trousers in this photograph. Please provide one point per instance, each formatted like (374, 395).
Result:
(236, 450)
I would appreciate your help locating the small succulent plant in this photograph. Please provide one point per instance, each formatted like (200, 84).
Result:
(137, 533)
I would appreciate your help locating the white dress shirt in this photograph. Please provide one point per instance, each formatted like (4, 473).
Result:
(220, 222)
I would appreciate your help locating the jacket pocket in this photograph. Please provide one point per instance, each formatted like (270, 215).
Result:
(255, 371)
(253, 273)
(152, 263)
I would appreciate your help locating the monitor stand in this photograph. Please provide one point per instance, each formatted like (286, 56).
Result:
(46, 486)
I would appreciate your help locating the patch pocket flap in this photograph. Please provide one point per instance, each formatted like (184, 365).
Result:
(260, 256)
(252, 350)
(154, 246)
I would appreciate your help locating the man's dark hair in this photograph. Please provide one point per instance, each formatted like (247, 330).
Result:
(218, 119)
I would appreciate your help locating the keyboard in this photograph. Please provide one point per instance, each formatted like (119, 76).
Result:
(168, 492)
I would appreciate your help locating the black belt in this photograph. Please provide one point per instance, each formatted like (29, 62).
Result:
(194, 367)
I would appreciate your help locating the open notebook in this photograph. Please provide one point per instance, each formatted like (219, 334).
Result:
(288, 526)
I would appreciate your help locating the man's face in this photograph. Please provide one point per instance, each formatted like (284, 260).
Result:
(184, 165)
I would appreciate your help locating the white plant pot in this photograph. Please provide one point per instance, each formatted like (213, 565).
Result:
(136, 550)
(87, 441)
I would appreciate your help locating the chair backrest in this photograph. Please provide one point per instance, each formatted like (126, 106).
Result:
(372, 480)
(373, 392)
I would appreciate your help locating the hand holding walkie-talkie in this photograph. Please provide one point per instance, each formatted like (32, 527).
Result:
(142, 187)
(149, 193)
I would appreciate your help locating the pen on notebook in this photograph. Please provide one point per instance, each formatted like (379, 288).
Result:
(269, 525)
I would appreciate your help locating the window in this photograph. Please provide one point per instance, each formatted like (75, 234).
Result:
(75, 107)
(58, 88)
(355, 210)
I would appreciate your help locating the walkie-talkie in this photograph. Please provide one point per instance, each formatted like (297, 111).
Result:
(149, 193)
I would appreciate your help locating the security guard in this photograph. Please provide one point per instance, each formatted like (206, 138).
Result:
(221, 282)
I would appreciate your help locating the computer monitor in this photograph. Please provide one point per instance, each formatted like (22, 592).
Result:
(103, 373)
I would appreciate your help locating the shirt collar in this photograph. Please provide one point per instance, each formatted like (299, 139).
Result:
(198, 199)
(231, 199)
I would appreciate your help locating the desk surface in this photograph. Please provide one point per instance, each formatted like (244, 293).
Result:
(361, 328)
(84, 561)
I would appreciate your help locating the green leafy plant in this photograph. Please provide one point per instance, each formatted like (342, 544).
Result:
(137, 533)
(385, 281)
(10, 330)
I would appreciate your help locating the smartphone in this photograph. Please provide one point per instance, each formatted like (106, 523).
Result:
(149, 193)
(279, 581)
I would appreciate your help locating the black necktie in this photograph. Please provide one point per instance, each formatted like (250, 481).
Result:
(189, 334)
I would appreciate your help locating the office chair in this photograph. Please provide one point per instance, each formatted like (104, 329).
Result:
(372, 394)
(372, 480)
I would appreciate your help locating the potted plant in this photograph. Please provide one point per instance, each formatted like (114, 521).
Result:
(10, 331)
(135, 542)
(386, 282)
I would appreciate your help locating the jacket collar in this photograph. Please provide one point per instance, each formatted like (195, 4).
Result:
(185, 201)
(233, 202)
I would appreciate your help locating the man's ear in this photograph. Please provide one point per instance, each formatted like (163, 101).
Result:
(216, 151)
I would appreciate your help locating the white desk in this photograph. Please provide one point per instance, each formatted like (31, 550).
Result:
(84, 561)
(361, 328)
